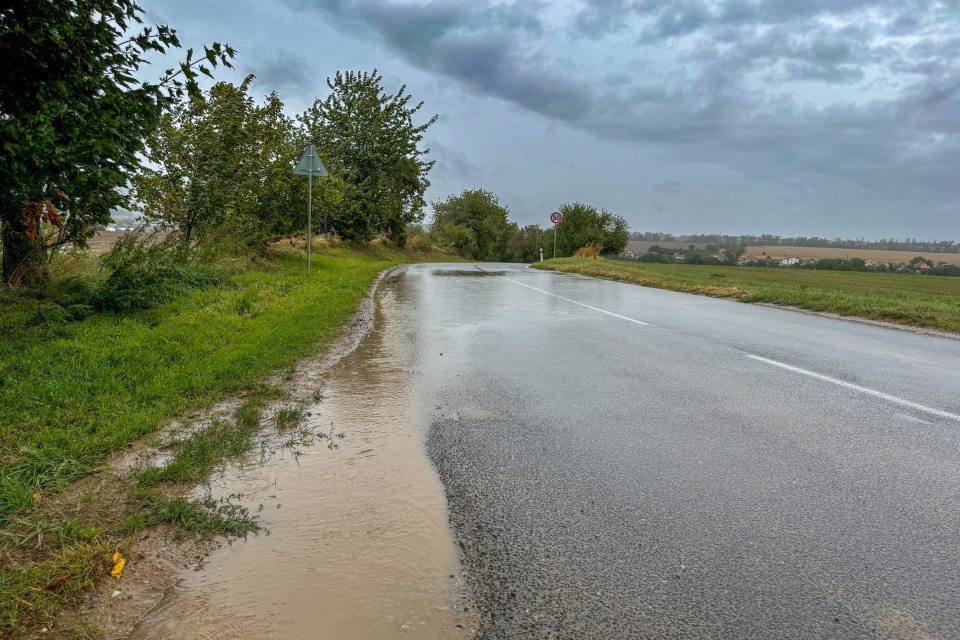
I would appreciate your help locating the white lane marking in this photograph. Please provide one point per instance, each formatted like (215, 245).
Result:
(609, 313)
(855, 387)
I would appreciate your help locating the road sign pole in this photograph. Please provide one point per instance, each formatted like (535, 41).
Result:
(309, 215)
(308, 165)
(556, 217)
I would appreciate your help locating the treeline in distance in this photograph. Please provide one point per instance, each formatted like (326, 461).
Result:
(884, 244)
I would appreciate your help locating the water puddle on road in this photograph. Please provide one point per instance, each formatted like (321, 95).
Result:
(359, 545)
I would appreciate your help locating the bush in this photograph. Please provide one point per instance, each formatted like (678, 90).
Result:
(592, 250)
(146, 272)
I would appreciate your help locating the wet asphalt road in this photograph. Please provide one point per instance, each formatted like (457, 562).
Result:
(662, 465)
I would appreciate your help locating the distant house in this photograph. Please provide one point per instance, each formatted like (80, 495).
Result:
(679, 256)
(787, 262)
(921, 265)
(750, 258)
(900, 266)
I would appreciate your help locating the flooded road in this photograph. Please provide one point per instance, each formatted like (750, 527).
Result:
(617, 462)
(359, 545)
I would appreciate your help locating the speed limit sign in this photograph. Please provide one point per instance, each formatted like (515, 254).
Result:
(555, 217)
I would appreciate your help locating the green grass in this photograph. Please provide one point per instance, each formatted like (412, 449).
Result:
(923, 301)
(71, 393)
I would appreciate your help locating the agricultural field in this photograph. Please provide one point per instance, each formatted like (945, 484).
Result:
(877, 255)
(925, 301)
(810, 253)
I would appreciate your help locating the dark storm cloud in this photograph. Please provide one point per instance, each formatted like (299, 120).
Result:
(284, 71)
(472, 42)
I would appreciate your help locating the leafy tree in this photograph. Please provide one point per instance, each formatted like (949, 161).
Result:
(73, 117)
(219, 158)
(523, 243)
(473, 223)
(583, 224)
(199, 149)
(373, 145)
(733, 253)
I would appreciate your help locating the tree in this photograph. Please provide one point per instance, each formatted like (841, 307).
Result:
(474, 223)
(523, 243)
(583, 224)
(74, 117)
(733, 253)
(220, 158)
(373, 145)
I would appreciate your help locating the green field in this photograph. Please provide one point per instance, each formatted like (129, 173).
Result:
(924, 301)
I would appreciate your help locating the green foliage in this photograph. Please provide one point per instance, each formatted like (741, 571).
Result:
(70, 103)
(473, 224)
(74, 393)
(195, 455)
(733, 253)
(223, 168)
(201, 517)
(144, 273)
(523, 244)
(373, 145)
(582, 225)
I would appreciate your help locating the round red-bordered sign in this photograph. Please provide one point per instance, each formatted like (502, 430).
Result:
(555, 217)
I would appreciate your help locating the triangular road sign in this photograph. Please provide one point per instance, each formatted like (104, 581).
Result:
(310, 163)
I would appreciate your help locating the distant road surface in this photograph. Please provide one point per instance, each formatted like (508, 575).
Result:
(625, 462)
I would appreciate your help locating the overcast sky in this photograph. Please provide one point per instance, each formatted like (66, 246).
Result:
(792, 117)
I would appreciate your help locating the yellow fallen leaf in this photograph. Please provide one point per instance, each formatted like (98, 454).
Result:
(118, 563)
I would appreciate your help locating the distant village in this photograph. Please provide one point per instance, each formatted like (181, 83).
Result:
(716, 256)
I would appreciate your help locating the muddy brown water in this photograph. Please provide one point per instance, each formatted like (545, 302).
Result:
(359, 544)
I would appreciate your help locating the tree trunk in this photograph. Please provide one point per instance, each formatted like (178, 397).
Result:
(22, 263)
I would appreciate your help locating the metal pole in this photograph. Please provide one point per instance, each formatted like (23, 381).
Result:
(309, 211)
(556, 228)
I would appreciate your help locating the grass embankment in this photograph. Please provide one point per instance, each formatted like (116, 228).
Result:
(924, 301)
(73, 392)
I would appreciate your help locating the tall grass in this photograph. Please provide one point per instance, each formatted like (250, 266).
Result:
(72, 392)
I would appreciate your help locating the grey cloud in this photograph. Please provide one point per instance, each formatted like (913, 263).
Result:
(284, 71)
(473, 43)
(726, 99)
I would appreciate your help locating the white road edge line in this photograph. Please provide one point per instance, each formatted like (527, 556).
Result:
(609, 313)
(855, 387)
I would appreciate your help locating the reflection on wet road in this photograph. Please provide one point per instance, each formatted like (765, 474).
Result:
(624, 462)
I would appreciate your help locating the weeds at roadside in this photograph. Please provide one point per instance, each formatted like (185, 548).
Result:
(87, 628)
(201, 517)
(288, 417)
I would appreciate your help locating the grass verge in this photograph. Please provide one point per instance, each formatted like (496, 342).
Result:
(73, 392)
(923, 301)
